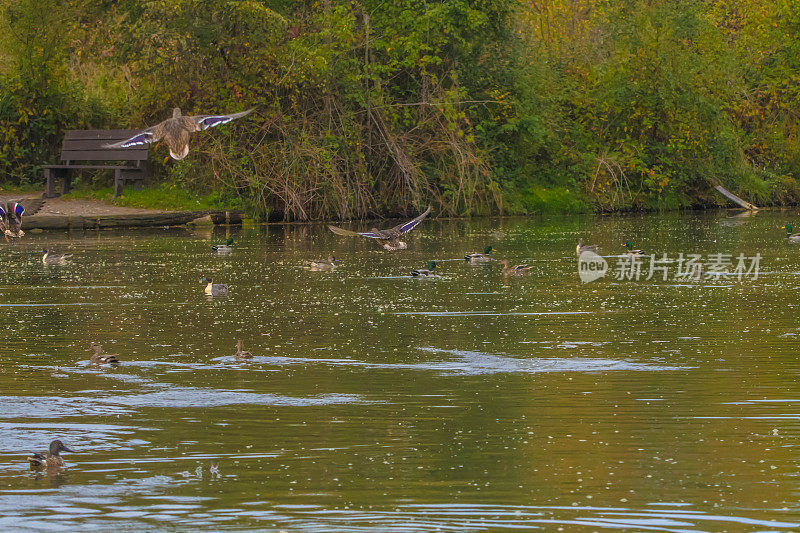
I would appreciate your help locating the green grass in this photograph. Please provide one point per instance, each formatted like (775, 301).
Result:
(164, 196)
(7, 188)
(540, 200)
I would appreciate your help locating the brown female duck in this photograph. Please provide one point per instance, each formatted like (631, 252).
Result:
(240, 354)
(175, 131)
(51, 458)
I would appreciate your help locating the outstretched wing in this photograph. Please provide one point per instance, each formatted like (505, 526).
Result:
(411, 224)
(203, 122)
(26, 206)
(150, 135)
(348, 233)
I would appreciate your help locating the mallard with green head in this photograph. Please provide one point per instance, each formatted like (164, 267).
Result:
(224, 248)
(477, 257)
(240, 354)
(585, 247)
(509, 270)
(425, 272)
(630, 251)
(792, 237)
(51, 458)
(321, 264)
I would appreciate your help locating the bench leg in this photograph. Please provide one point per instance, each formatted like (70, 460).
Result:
(118, 182)
(67, 173)
(50, 188)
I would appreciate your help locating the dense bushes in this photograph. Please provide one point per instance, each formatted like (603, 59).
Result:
(381, 107)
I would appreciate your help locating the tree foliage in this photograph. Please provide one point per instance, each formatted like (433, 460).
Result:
(372, 107)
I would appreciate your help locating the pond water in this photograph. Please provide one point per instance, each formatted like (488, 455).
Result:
(471, 401)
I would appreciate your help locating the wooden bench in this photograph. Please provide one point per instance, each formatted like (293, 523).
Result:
(81, 146)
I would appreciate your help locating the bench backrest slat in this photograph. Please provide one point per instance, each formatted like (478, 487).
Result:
(87, 145)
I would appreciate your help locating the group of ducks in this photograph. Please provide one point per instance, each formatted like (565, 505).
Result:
(389, 239)
(51, 459)
(175, 133)
(476, 258)
(629, 249)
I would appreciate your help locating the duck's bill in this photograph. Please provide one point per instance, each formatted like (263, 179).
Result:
(67, 450)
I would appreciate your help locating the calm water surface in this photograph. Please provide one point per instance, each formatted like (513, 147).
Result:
(468, 402)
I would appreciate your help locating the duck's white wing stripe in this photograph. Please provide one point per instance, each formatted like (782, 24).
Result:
(411, 224)
(348, 233)
(204, 123)
(143, 137)
(209, 121)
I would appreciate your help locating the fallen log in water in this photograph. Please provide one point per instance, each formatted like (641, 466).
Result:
(726, 193)
(176, 218)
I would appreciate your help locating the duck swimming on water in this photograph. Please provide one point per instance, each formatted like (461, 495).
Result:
(99, 358)
(792, 237)
(509, 270)
(476, 257)
(50, 458)
(215, 289)
(52, 258)
(630, 250)
(585, 247)
(240, 354)
(425, 272)
(224, 248)
(321, 264)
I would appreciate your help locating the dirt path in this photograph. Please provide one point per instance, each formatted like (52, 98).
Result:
(81, 207)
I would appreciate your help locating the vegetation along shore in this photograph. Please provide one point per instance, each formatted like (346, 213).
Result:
(379, 108)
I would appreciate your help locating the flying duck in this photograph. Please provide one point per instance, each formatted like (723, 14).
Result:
(389, 238)
(175, 131)
(11, 212)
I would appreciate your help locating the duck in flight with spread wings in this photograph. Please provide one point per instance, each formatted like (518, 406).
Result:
(175, 131)
(11, 212)
(389, 238)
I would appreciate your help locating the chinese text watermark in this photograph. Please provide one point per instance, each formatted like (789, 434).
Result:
(684, 267)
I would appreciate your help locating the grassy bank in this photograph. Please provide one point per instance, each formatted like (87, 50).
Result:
(164, 197)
